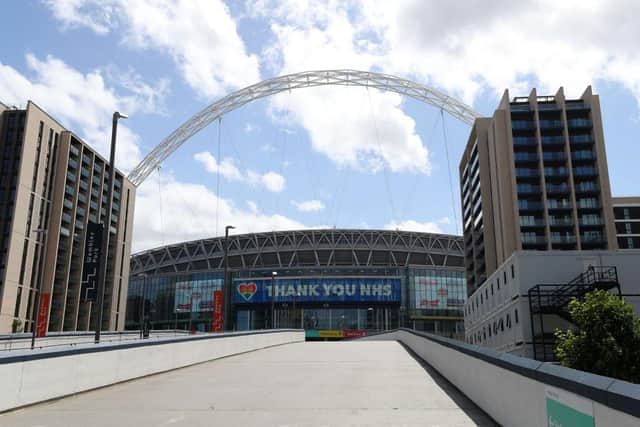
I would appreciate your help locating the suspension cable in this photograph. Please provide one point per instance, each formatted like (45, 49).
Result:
(218, 179)
(446, 150)
(384, 164)
(161, 214)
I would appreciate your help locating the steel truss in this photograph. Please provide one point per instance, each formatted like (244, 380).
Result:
(289, 82)
(305, 249)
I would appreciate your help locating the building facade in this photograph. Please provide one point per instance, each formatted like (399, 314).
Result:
(519, 306)
(626, 211)
(52, 186)
(534, 177)
(333, 283)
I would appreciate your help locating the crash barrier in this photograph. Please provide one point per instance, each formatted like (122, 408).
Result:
(32, 376)
(517, 391)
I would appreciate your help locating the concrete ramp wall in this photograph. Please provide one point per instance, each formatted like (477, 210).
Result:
(31, 376)
(522, 392)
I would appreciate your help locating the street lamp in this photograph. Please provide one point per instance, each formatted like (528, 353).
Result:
(106, 225)
(225, 286)
(274, 274)
(38, 290)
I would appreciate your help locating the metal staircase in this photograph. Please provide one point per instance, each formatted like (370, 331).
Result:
(553, 299)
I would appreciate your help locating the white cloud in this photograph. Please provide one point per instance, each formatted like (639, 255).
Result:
(227, 167)
(190, 211)
(464, 50)
(272, 181)
(199, 35)
(309, 205)
(412, 225)
(84, 103)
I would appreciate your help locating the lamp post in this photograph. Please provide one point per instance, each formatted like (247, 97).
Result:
(106, 225)
(38, 290)
(274, 274)
(225, 285)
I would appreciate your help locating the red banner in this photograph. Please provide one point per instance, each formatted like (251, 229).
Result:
(352, 333)
(43, 315)
(218, 308)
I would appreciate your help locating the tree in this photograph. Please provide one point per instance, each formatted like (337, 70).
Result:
(606, 340)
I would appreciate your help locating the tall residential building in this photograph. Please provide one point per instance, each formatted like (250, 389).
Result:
(52, 185)
(534, 177)
(626, 211)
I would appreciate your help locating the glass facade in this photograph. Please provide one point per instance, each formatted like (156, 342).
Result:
(329, 303)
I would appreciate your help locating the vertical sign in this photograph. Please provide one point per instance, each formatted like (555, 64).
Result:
(91, 263)
(43, 315)
(218, 304)
(566, 409)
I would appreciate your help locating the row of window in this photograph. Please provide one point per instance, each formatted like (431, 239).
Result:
(478, 298)
(493, 329)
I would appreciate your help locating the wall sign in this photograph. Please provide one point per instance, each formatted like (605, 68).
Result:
(356, 289)
(91, 262)
(566, 409)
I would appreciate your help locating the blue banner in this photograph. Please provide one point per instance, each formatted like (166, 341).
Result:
(356, 289)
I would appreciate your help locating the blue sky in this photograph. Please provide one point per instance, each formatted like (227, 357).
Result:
(323, 157)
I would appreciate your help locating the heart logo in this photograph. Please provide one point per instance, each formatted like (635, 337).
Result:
(247, 290)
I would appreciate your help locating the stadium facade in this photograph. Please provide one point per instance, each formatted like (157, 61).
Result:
(333, 283)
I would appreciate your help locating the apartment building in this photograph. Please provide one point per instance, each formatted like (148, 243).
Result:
(52, 186)
(626, 212)
(534, 177)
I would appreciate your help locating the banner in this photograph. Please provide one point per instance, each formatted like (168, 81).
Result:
(43, 315)
(91, 262)
(193, 295)
(356, 289)
(218, 309)
(432, 292)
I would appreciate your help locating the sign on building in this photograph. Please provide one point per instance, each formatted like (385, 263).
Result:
(91, 263)
(356, 289)
(218, 309)
(566, 409)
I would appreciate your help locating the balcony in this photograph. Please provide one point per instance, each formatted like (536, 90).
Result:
(563, 239)
(553, 140)
(526, 205)
(591, 221)
(524, 141)
(527, 173)
(576, 106)
(548, 107)
(560, 221)
(522, 125)
(525, 157)
(579, 123)
(557, 188)
(533, 240)
(588, 204)
(581, 139)
(554, 157)
(551, 124)
(529, 221)
(528, 189)
(551, 172)
(558, 204)
(585, 171)
(587, 187)
(583, 155)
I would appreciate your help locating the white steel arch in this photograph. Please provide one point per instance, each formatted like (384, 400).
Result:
(288, 82)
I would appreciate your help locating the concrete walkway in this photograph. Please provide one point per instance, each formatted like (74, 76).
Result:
(372, 383)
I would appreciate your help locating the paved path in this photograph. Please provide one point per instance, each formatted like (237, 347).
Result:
(374, 383)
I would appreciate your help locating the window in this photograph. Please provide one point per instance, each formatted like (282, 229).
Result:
(498, 285)
(516, 316)
(508, 320)
(513, 272)
(505, 277)
(492, 289)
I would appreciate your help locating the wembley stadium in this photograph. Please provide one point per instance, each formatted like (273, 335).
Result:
(333, 283)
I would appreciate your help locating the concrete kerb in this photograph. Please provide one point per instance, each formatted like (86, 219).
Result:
(74, 363)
